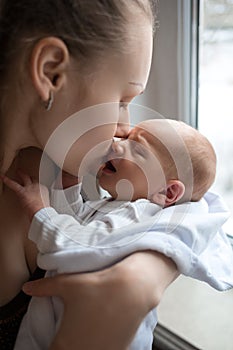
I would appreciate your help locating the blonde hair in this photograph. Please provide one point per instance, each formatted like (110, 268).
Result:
(184, 154)
(203, 159)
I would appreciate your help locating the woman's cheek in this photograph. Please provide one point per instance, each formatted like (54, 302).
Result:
(89, 152)
(83, 137)
(94, 158)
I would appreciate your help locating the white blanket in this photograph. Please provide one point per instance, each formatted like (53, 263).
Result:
(190, 234)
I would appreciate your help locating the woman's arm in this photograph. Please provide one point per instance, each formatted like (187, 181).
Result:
(104, 309)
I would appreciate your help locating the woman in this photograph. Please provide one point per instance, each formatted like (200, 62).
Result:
(49, 52)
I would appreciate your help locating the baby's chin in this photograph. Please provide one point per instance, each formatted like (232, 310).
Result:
(103, 185)
(116, 195)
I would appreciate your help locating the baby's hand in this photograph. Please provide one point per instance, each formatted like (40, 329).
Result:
(32, 195)
(65, 180)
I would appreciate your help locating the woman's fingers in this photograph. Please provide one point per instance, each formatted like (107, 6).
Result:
(49, 286)
(40, 288)
(97, 294)
(117, 298)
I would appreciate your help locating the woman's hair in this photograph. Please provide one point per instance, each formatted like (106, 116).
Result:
(88, 27)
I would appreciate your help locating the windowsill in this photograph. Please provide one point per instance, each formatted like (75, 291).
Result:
(166, 340)
(197, 313)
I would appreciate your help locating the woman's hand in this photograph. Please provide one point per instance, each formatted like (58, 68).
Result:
(102, 310)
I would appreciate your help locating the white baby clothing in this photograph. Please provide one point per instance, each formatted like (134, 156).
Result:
(105, 231)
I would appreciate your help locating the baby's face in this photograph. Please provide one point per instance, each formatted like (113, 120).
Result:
(134, 168)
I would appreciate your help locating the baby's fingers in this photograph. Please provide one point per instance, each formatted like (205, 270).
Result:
(13, 185)
(24, 177)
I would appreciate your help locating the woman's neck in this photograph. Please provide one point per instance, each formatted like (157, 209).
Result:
(15, 133)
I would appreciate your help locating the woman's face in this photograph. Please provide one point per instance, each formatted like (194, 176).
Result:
(101, 112)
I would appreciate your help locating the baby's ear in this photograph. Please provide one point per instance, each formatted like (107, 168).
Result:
(159, 198)
(173, 192)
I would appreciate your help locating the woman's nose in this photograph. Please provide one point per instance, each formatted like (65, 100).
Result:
(123, 122)
(122, 130)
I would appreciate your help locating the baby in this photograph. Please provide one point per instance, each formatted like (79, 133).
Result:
(160, 164)
(165, 161)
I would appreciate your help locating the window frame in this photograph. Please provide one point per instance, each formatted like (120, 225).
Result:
(188, 59)
(188, 15)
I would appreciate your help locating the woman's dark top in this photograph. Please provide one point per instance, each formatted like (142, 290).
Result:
(12, 313)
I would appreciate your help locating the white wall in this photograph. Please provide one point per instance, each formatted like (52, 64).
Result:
(162, 89)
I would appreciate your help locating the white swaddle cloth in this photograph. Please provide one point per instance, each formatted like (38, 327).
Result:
(190, 234)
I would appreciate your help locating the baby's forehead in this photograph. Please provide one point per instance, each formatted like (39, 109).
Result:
(152, 124)
(162, 128)
(146, 125)
(154, 127)
(137, 131)
(148, 134)
(161, 134)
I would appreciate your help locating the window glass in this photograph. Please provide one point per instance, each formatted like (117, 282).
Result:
(215, 113)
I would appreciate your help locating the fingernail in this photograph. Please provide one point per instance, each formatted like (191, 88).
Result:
(27, 288)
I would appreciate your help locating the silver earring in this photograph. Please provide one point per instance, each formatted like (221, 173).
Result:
(49, 103)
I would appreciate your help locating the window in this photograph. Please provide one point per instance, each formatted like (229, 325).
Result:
(215, 112)
(191, 310)
(192, 77)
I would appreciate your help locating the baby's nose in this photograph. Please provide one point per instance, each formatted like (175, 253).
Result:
(118, 147)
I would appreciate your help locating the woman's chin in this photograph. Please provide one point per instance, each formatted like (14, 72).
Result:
(89, 169)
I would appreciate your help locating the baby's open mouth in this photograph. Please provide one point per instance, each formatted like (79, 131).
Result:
(109, 167)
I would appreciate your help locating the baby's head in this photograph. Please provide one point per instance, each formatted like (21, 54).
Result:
(166, 161)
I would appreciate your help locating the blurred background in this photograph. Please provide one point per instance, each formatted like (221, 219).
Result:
(215, 117)
(192, 80)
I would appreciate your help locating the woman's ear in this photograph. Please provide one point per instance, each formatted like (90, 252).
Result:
(173, 192)
(49, 61)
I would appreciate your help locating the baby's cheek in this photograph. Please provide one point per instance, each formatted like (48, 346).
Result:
(134, 184)
(124, 190)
